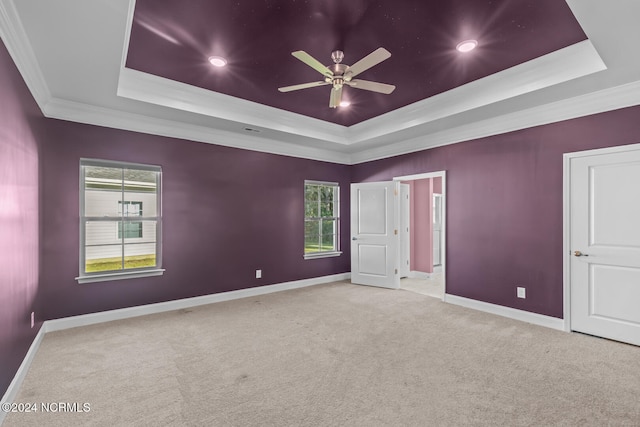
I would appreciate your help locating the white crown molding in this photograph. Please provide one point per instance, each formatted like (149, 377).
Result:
(569, 63)
(17, 43)
(622, 96)
(557, 67)
(157, 90)
(117, 119)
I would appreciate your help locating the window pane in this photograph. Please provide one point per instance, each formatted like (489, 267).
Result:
(103, 189)
(326, 193)
(311, 192)
(328, 242)
(140, 253)
(328, 226)
(103, 258)
(328, 235)
(103, 248)
(140, 180)
(141, 188)
(311, 236)
(102, 233)
(311, 209)
(326, 209)
(137, 255)
(132, 230)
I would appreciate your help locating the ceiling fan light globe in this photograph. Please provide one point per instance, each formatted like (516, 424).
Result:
(466, 46)
(217, 61)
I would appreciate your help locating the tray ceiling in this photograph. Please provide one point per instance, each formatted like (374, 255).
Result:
(142, 66)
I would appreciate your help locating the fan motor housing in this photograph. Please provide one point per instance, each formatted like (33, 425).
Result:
(337, 69)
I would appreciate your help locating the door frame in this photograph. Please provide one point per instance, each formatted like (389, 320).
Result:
(438, 174)
(566, 220)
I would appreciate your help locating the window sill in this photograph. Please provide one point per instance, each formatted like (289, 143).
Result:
(106, 277)
(322, 255)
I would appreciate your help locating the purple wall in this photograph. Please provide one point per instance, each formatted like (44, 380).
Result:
(504, 205)
(226, 212)
(19, 218)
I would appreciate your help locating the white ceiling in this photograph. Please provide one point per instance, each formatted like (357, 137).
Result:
(71, 55)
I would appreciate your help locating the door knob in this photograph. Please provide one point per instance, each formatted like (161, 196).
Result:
(354, 238)
(578, 253)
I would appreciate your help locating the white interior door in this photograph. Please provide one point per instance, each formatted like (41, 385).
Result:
(605, 245)
(374, 234)
(405, 232)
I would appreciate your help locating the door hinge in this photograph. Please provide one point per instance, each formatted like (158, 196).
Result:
(396, 271)
(395, 231)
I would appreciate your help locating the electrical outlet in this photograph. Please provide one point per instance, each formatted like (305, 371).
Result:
(522, 293)
(33, 318)
(258, 274)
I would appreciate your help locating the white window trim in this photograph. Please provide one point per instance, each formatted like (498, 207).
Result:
(322, 255)
(107, 277)
(337, 252)
(119, 274)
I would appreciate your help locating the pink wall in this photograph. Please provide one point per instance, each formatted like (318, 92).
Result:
(437, 185)
(421, 196)
(20, 145)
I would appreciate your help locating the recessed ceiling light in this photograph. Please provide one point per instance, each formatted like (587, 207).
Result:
(217, 61)
(344, 103)
(467, 45)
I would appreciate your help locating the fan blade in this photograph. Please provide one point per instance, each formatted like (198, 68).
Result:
(336, 97)
(312, 62)
(374, 58)
(301, 86)
(372, 86)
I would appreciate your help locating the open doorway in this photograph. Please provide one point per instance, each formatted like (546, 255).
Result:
(423, 254)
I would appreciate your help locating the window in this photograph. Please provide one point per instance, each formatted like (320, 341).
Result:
(321, 219)
(118, 239)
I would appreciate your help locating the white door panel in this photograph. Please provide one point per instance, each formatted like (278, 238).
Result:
(373, 259)
(374, 238)
(372, 212)
(615, 293)
(605, 230)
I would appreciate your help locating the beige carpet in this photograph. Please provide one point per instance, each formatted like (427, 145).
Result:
(332, 355)
(433, 286)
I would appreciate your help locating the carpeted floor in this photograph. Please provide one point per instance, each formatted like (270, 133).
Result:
(331, 355)
(433, 286)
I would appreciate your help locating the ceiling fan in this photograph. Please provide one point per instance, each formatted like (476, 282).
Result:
(339, 74)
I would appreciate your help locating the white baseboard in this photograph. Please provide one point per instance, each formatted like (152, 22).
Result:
(512, 313)
(419, 275)
(142, 310)
(19, 377)
(125, 313)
